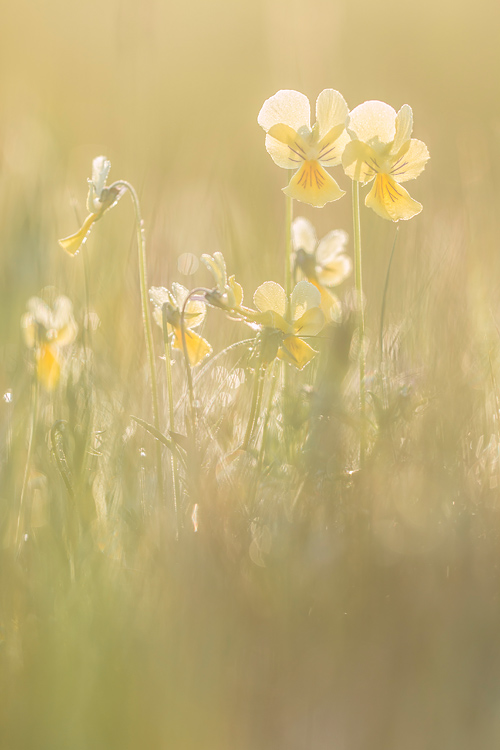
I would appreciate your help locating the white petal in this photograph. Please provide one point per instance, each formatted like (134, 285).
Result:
(159, 295)
(331, 110)
(304, 296)
(404, 127)
(100, 172)
(270, 296)
(287, 107)
(303, 235)
(331, 245)
(373, 122)
(410, 161)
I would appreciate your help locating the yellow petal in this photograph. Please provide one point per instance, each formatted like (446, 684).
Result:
(288, 107)
(373, 122)
(296, 352)
(330, 304)
(73, 243)
(197, 347)
(311, 322)
(391, 201)
(237, 291)
(304, 297)
(285, 146)
(270, 296)
(360, 162)
(312, 184)
(48, 369)
(331, 111)
(331, 147)
(410, 161)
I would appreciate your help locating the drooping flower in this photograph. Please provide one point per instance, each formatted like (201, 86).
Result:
(284, 325)
(324, 264)
(293, 144)
(99, 199)
(45, 330)
(197, 347)
(227, 294)
(382, 149)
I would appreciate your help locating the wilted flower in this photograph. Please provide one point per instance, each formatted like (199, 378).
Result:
(46, 330)
(324, 263)
(284, 325)
(382, 148)
(293, 144)
(194, 315)
(100, 198)
(228, 294)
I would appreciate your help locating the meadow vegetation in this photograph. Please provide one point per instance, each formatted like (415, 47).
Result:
(249, 467)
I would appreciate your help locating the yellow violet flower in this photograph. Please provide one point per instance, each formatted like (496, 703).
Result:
(286, 326)
(100, 198)
(324, 263)
(293, 144)
(46, 330)
(382, 149)
(228, 294)
(197, 347)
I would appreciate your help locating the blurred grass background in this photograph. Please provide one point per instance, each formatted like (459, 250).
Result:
(342, 640)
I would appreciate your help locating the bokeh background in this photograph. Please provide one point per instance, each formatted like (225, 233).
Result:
(360, 649)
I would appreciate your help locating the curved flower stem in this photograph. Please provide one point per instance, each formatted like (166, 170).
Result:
(170, 393)
(34, 415)
(146, 317)
(361, 313)
(189, 374)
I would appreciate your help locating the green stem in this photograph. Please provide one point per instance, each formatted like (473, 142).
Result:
(384, 298)
(288, 247)
(267, 416)
(34, 414)
(170, 394)
(189, 374)
(258, 385)
(146, 317)
(361, 314)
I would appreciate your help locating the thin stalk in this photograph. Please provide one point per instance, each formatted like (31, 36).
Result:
(361, 313)
(267, 415)
(258, 385)
(146, 317)
(189, 374)
(34, 415)
(384, 298)
(288, 247)
(170, 394)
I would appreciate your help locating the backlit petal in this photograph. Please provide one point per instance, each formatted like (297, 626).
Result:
(335, 272)
(373, 122)
(331, 246)
(100, 172)
(73, 243)
(288, 107)
(304, 297)
(296, 352)
(331, 147)
(311, 322)
(285, 146)
(303, 235)
(360, 161)
(391, 201)
(404, 127)
(313, 185)
(410, 161)
(331, 111)
(270, 296)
